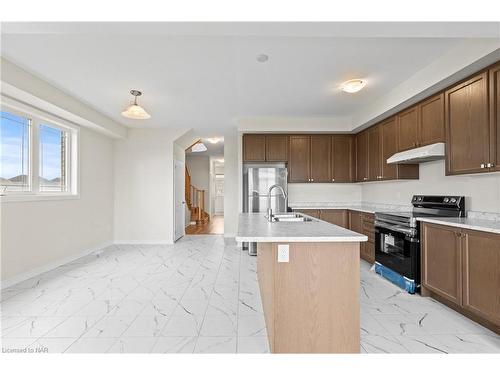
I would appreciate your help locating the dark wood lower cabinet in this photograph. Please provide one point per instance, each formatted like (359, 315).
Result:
(442, 261)
(337, 217)
(461, 268)
(481, 274)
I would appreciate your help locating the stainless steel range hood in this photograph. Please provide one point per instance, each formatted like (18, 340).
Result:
(418, 155)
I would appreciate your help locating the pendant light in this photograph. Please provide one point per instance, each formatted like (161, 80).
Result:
(134, 110)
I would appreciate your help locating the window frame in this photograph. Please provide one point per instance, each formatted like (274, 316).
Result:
(30, 152)
(37, 118)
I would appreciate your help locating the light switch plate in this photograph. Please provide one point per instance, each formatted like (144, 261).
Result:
(283, 253)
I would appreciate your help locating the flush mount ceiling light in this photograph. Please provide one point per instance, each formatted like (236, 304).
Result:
(198, 147)
(262, 58)
(214, 140)
(134, 110)
(353, 85)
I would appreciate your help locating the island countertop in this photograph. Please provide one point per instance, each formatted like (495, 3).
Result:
(254, 227)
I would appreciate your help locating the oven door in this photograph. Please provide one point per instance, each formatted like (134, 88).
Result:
(398, 250)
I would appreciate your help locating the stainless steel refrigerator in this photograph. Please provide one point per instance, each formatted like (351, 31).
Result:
(257, 179)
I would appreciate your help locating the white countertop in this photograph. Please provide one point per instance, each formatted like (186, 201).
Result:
(492, 226)
(363, 207)
(254, 227)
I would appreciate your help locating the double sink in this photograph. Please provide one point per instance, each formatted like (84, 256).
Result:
(290, 217)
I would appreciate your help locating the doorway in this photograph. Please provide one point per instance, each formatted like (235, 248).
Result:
(205, 187)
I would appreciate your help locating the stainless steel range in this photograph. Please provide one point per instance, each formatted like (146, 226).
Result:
(397, 237)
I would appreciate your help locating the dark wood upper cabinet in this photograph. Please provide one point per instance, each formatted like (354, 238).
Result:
(254, 147)
(481, 274)
(442, 261)
(389, 147)
(374, 153)
(495, 117)
(362, 156)
(299, 158)
(431, 120)
(467, 126)
(277, 148)
(408, 129)
(321, 158)
(343, 158)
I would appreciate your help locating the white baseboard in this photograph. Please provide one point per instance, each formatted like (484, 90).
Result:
(143, 242)
(52, 265)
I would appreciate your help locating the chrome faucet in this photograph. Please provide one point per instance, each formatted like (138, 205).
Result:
(269, 209)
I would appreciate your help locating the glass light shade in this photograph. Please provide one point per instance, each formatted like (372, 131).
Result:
(136, 112)
(354, 85)
(199, 147)
(214, 140)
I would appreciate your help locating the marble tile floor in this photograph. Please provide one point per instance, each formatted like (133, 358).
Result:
(201, 296)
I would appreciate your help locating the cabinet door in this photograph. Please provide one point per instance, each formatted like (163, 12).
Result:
(362, 156)
(337, 217)
(343, 166)
(254, 147)
(442, 261)
(321, 158)
(374, 153)
(408, 129)
(355, 221)
(276, 148)
(431, 120)
(495, 117)
(467, 126)
(299, 159)
(389, 148)
(481, 293)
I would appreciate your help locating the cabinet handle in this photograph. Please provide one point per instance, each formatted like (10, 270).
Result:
(333, 180)
(312, 179)
(483, 166)
(365, 178)
(490, 165)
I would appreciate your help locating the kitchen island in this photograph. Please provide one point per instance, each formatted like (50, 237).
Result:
(308, 273)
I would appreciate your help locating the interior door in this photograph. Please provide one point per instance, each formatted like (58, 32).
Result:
(179, 202)
(219, 194)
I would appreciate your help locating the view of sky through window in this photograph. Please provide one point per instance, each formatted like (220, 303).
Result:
(14, 149)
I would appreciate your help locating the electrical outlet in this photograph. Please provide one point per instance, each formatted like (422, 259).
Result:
(283, 253)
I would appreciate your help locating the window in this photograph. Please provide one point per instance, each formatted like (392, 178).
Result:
(14, 152)
(37, 157)
(53, 158)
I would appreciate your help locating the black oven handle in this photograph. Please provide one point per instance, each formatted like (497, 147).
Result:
(408, 232)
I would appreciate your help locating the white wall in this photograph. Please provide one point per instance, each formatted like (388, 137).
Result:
(482, 191)
(299, 193)
(199, 170)
(233, 178)
(38, 234)
(144, 197)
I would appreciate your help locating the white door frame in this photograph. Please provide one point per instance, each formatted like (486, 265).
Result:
(179, 216)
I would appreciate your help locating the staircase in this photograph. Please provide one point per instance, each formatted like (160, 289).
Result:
(195, 201)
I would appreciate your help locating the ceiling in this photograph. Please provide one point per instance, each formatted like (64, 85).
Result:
(205, 77)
